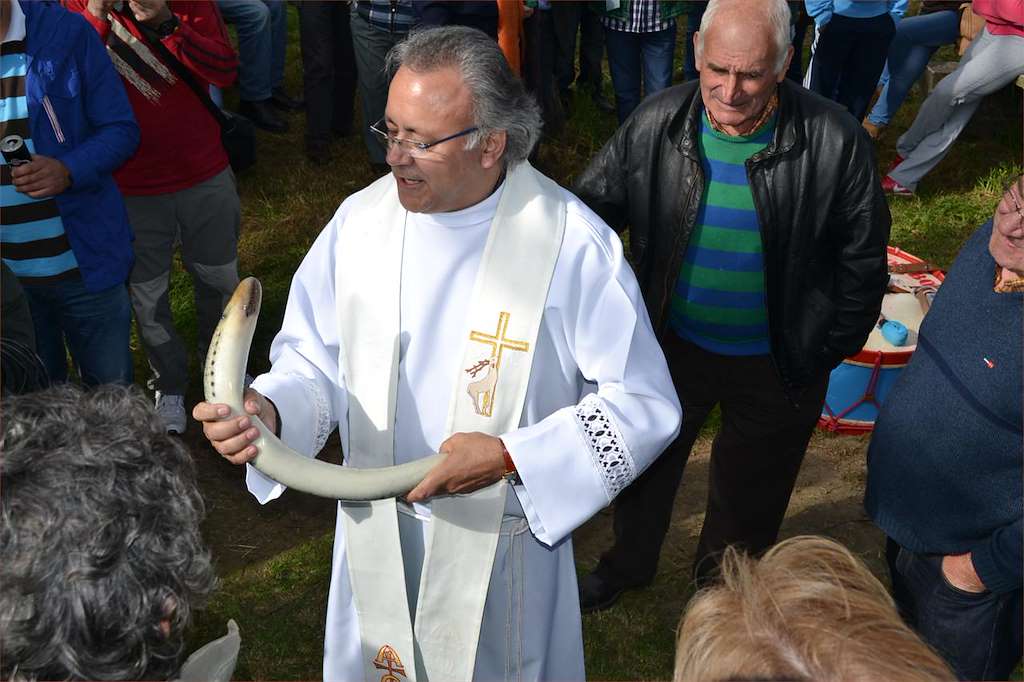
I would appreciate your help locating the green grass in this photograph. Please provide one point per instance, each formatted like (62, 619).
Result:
(280, 604)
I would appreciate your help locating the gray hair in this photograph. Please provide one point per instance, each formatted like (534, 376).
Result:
(775, 11)
(500, 101)
(99, 534)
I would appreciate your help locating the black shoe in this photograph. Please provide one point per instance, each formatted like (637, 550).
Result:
(598, 592)
(285, 102)
(262, 116)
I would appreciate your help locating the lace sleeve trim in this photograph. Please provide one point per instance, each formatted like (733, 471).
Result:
(608, 450)
(321, 408)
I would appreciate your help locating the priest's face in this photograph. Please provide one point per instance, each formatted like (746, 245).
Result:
(426, 107)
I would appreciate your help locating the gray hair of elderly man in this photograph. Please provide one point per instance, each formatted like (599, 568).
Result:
(776, 12)
(103, 561)
(500, 100)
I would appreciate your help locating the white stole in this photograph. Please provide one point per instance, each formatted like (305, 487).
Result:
(503, 322)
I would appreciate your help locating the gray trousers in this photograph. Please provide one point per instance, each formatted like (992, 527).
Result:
(990, 63)
(204, 219)
(371, 46)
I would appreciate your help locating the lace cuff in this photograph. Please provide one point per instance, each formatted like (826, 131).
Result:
(608, 450)
(321, 411)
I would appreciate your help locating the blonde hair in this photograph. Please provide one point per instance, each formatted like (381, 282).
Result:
(809, 610)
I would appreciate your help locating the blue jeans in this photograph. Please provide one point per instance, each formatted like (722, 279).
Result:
(262, 27)
(979, 634)
(913, 44)
(628, 54)
(847, 58)
(95, 326)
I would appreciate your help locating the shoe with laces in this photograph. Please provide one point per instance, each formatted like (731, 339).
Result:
(171, 410)
(890, 186)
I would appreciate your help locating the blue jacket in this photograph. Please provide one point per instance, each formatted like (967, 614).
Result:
(822, 10)
(94, 133)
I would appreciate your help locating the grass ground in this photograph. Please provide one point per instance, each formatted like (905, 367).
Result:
(279, 600)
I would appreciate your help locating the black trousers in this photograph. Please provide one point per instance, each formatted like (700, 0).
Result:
(979, 634)
(329, 69)
(848, 57)
(570, 17)
(755, 458)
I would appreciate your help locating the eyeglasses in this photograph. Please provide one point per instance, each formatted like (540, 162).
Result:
(413, 148)
(1008, 191)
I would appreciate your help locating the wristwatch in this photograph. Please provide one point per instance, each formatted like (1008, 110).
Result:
(166, 28)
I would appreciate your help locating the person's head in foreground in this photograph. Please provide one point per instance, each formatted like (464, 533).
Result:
(808, 610)
(742, 50)
(103, 561)
(456, 118)
(1007, 242)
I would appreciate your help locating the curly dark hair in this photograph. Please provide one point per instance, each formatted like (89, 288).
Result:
(102, 558)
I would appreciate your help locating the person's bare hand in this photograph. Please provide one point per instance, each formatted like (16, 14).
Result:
(41, 177)
(152, 13)
(474, 460)
(959, 571)
(100, 8)
(232, 437)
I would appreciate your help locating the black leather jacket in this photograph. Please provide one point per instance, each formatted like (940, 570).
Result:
(824, 219)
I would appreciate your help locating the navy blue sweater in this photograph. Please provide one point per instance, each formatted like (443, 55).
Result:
(945, 461)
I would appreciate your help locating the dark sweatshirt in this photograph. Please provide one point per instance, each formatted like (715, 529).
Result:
(945, 461)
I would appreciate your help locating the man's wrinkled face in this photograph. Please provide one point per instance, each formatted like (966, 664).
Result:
(737, 71)
(429, 106)
(1007, 242)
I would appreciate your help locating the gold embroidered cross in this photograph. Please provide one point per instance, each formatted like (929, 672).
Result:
(482, 390)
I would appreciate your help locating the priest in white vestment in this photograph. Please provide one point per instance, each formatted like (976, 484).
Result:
(464, 304)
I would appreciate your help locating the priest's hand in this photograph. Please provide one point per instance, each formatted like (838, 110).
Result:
(474, 460)
(233, 437)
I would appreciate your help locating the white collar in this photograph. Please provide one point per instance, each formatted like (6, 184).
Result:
(16, 30)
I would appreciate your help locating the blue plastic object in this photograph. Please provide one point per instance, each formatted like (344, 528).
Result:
(894, 332)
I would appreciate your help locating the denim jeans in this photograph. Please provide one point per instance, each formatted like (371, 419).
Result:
(95, 325)
(262, 33)
(371, 46)
(913, 44)
(847, 59)
(979, 634)
(631, 53)
(991, 63)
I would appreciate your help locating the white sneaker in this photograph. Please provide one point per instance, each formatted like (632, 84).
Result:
(171, 409)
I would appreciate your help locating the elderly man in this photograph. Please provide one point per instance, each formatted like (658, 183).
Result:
(757, 231)
(100, 574)
(944, 467)
(467, 305)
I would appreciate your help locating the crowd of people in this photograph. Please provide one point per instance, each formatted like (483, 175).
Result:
(758, 224)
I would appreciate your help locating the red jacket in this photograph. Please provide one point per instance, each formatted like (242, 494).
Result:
(180, 145)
